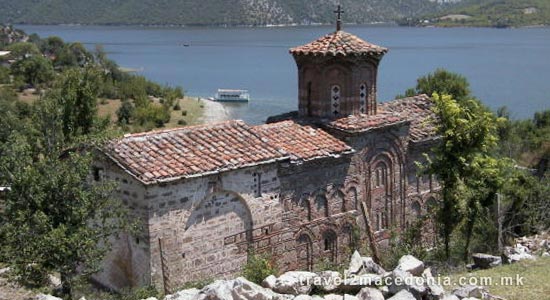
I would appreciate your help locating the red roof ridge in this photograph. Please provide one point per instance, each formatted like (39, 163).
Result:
(339, 43)
(184, 129)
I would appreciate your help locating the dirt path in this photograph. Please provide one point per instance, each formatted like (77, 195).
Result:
(214, 112)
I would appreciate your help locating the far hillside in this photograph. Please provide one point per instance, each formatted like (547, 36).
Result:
(490, 13)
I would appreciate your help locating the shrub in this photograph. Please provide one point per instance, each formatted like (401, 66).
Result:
(182, 122)
(258, 267)
(184, 113)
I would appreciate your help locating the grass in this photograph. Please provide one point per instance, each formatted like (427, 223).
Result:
(535, 274)
(194, 109)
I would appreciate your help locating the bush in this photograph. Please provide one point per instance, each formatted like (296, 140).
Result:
(258, 267)
(182, 122)
(184, 113)
(177, 106)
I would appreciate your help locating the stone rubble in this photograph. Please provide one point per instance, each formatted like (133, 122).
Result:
(416, 283)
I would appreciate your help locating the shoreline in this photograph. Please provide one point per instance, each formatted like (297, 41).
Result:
(213, 112)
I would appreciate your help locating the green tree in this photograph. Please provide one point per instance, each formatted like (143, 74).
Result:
(4, 75)
(55, 219)
(442, 82)
(23, 50)
(125, 112)
(34, 70)
(76, 91)
(467, 134)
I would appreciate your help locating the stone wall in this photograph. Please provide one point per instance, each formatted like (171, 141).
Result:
(127, 264)
(202, 228)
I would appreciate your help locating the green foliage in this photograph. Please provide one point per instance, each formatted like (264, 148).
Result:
(408, 242)
(258, 267)
(461, 160)
(54, 220)
(34, 70)
(125, 112)
(442, 82)
(498, 13)
(23, 50)
(76, 93)
(4, 75)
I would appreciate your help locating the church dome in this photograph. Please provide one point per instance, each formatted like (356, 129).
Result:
(339, 43)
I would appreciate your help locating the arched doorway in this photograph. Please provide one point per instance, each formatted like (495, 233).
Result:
(330, 246)
(304, 252)
(216, 238)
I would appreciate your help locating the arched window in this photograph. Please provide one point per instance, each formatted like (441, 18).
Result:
(335, 100)
(380, 176)
(352, 194)
(305, 207)
(330, 245)
(321, 204)
(363, 98)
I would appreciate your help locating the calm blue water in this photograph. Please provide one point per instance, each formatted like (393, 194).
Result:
(504, 66)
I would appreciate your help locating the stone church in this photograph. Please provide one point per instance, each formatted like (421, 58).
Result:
(208, 195)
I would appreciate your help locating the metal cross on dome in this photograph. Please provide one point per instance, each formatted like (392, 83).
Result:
(339, 13)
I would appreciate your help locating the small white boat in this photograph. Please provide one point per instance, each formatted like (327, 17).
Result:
(225, 95)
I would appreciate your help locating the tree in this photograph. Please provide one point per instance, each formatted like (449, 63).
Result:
(125, 112)
(34, 70)
(55, 219)
(467, 134)
(442, 82)
(23, 50)
(76, 92)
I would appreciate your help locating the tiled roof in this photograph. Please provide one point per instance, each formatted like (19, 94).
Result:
(418, 110)
(302, 142)
(191, 151)
(363, 123)
(339, 43)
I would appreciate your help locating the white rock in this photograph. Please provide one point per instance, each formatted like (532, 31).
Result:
(54, 281)
(307, 297)
(411, 264)
(371, 267)
(435, 291)
(46, 297)
(403, 295)
(546, 254)
(355, 264)
(294, 283)
(339, 297)
(328, 281)
(450, 297)
(384, 290)
(4, 270)
(151, 298)
(269, 282)
(188, 294)
(469, 291)
(237, 289)
(370, 294)
(355, 283)
(486, 261)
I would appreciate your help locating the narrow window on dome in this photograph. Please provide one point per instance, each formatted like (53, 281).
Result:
(363, 98)
(335, 100)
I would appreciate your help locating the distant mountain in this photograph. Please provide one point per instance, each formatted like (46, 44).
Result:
(492, 13)
(211, 12)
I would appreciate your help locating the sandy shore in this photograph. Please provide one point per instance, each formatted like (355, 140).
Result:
(214, 112)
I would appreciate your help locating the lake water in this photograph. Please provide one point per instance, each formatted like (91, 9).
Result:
(504, 66)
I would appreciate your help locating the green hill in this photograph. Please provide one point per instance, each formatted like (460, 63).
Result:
(208, 12)
(494, 13)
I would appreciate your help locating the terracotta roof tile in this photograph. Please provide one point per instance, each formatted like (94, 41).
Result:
(363, 123)
(302, 142)
(339, 43)
(418, 110)
(191, 151)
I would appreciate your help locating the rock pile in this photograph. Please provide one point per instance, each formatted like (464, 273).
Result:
(362, 280)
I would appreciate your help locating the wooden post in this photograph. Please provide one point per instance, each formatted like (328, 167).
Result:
(499, 221)
(370, 233)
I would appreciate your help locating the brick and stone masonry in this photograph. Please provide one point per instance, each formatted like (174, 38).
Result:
(206, 196)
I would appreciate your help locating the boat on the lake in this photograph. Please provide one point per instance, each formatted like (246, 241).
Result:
(227, 95)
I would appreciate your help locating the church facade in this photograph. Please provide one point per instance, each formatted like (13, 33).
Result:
(206, 196)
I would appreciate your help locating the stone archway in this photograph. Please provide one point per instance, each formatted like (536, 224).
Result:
(304, 252)
(216, 238)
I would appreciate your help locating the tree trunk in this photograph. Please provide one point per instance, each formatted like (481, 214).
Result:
(66, 286)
